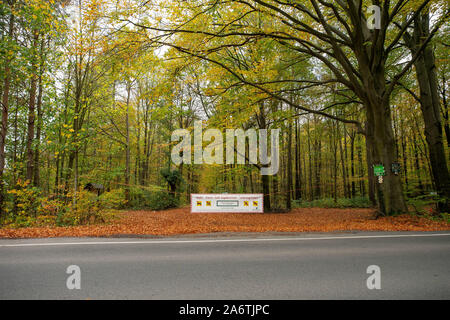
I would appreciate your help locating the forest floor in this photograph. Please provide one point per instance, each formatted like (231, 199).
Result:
(181, 221)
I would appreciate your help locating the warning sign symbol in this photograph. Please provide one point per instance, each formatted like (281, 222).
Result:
(245, 203)
(255, 203)
(208, 203)
(199, 203)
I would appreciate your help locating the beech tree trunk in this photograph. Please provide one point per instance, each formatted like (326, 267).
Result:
(390, 192)
(431, 108)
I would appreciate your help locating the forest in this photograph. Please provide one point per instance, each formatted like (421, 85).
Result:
(92, 90)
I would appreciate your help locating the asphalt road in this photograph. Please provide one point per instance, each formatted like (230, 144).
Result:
(267, 266)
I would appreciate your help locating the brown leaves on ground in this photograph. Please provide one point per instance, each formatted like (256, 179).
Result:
(181, 221)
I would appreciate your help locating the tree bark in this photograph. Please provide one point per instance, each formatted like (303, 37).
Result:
(127, 146)
(5, 109)
(431, 109)
(36, 178)
(31, 110)
(289, 167)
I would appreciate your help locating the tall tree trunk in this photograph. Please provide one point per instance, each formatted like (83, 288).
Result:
(352, 163)
(127, 147)
(335, 166)
(311, 190)
(404, 154)
(265, 178)
(344, 167)
(31, 109)
(417, 163)
(39, 118)
(289, 167)
(382, 146)
(444, 109)
(298, 164)
(5, 109)
(431, 109)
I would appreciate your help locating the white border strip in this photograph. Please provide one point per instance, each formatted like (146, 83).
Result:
(218, 240)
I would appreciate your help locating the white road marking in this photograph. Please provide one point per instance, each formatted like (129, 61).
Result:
(217, 240)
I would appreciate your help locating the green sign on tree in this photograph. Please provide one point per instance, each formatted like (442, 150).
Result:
(378, 170)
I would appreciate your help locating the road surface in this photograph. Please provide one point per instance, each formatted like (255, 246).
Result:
(413, 265)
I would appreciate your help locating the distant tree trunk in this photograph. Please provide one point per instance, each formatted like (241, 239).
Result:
(55, 190)
(31, 109)
(352, 163)
(317, 166)
(347, 176)
(265, 178)
(127, 146)
(16, 141)
(362, 184)
(137, 166)
(289, 167)
(344, 167)
(5, 109)
(36, 179)
(335, 167)
(298, 164)
(404, 154)
(311, 190)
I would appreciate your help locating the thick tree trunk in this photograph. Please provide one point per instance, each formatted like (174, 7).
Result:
(445, 108)
(431, 109)
(381, 140)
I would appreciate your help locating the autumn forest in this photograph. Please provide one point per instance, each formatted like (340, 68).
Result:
(92, 90)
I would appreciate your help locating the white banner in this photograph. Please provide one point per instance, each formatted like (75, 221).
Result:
(218, 203)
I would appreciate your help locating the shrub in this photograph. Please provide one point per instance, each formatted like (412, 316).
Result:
(173, 178)
(27, 208)
(85, 210)
(161, 200)
(45, 220)
(24, 205)
(445, 216)
(51, 206)
(114, 199)
(26, 199)
(137, 197)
